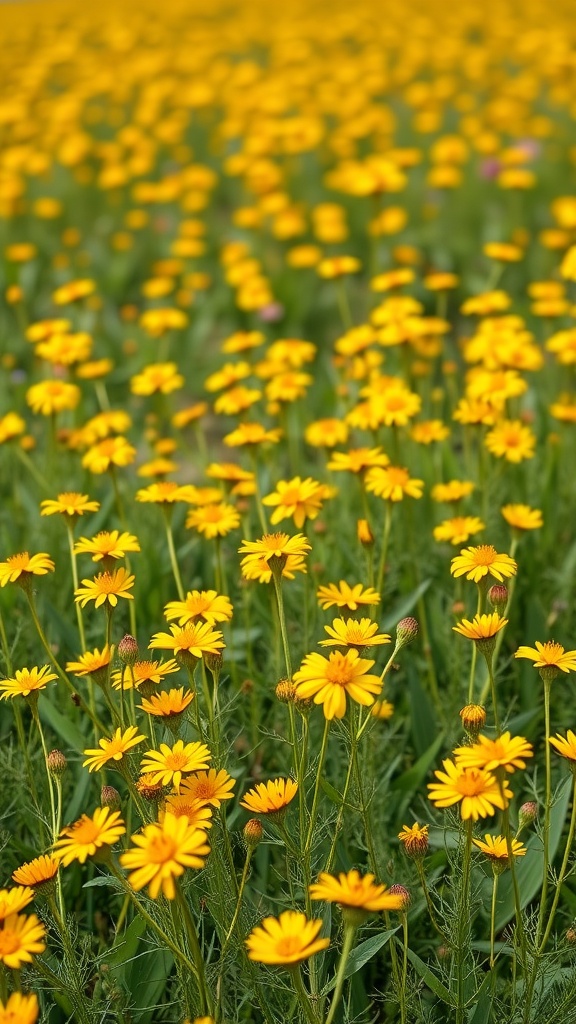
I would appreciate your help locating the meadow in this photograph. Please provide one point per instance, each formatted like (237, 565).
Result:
(287, 544)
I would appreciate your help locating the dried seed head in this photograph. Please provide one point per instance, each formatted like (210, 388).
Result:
(56, 763)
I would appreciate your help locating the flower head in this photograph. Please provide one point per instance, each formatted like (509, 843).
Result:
(92, 662)
(20, 937)
(113, 749)
(70, 504)
(354, 890)
(393, 483)
(106, 588)
(270, 797)
(200, 604)
(20, 1009)
(459, 529)
(522, 517)
(342, 595)
(550, 657)
(330, 680)
(209, 788)
(476, 790)
(482, 627)
(505, 751)
(168, 764)
(88, 835)
(286, 940)
(414, 839)
(212, 521)
(481, 561)
(296, 499)
(107, 545)
(38, 872)
(168, 703)
(195, 639)
(22, 567)
(496, 848)
(566, 746)
(163, 852)
(143, 672)
(26, 681)
(274, 549)
(358, 633)
(12, 901)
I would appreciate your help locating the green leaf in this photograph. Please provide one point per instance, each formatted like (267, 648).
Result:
(102, 881)
(61, 725)
(429, 978)
(405, 606)
(125, 946)
(423, 718)
(410, 780)
(479, 1013)
(361, 955)
(331, 793)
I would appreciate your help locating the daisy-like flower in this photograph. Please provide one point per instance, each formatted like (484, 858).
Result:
(164, 492)
(330, 680)
(566, 746)
(195, 639)
(210, 787)
(52, 396)
(297, 499)
(113, 749)
(163, 852)
(481, 561)
(20, 1009)
(157, 378)
(92, 662)
(12, 901)
(106, 588)
(200, 604)
(112, 451)
(22, 567)
(168, 764)
(286, 940)
(342, 595)
(259, 569)
(70, 504)
(414, 839)
(482, 627)
(274, 549)
(382, 709)
(252, 434)
(476, 790)
(270, 797)
(355, 891)
(107, 545)
(506, 751)
(11, 426)
(511, 440)
(26, 681)
(358, 460)
(37, 873)
(213, 520)
(550, 657)
(199, 815)
(522, 517)
(393, 483)
(496, 848)
(88, 835)
(142, 672)
(168, 704)
(358, 633)
(21, 938)
(459, 529)
(451, 492)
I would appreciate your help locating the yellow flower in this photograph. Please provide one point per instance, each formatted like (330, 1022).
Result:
(38, 872)
(107, 545)
(141, 672)
(476, 790)
(511, 440)
(168, 764)
(164, 492)
(453, 491)
(73, 290)
(286, 940)
(459, 529)
(330, 680)
(482, 627)
(20, 938)
(91, 662)
(273, 547)
(112, 451)
(157, 378)
(429, 431)
(522, 517)
(414, 839)
(12, 901)
(496, 847)
(70, 503)
(252, 434)
(20, 1009)
(88, 835)
(382, 709)
(566, 746)
(113, 749)
(549, 656)
(163, 852)
(105, 588)
(200, 604)
(354, 890)
(199, 815)
(358, 460)
(338, 266)
(168, 704)
(22, 567)
(52, 396)
(26, 681)
(157, 321)
(505, 751)
(11, 426)
(477, 562)
(209, 787)
(196, 639)
(297, 499)
(356, 633)
(342, 595)
(393, 483)
(270, 797)
(214, 520)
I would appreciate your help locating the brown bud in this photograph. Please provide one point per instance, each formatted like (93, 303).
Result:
(128, 649)
(110, 797)
(571, 935)
(473, 719)
(527, 814)
(56, 762)
(401, 890)
(213, 661)
(253, 832)
(498, 597)
(406, 631)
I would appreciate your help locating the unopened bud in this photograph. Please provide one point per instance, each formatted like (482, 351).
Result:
(246, 687)
(56, 763)
(213, 660)
(110, 797)
(253, 832)
(364, 533)
(527, 814)
(401, 890)
(406, 631)
(148, 788)
(128, 649)
(498, 597)
(473, 719)
(571, 935)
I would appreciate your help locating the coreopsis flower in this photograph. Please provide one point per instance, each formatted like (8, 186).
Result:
(113, 749)
(522, 517)
(92, 662)
(326, 433)
(482, 627)
(143, 672)
(451, 492)
(476, 790)
(37, 873)
(26, 682)
(73, 290)
(358, 633)
(112, 451)
(506, 751)
(357, 460)
(274, 549)
(286, 940)
(164, 492)
(477, 562)
(199, 815)
(106, 588)
(496, 849)
(511, 440)
(414, 839)
(459, 529)
(429, 431)
(163, 852)
(227, 376)
(11, 426)
(200, 604)
(270, 797)
(70, 504)
(297, 499)
(214, 521)
(158, 321)
(393, 483)
(21, 937)
(52, 396)
(195, 639)
(168, 764)
(342, 595)
(21, 568)
(168, 703)
(107, 545)
(208, 787)
(191, 414)
(242, 341)
(476, 411)
(550, 658)
(330, 680)
(338, 266)
(354, 891)
(12, 901)
(157, 378)
(89, 835)
(252, 434)
(382, 709)
(565, 745)
(20, 1009)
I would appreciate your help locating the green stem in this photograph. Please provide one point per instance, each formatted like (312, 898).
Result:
(308, 843)
(205, 1000)
(172, 553)
(493, 917)
(429, 903)
(79, 619)
(303, 997)
(404, 968)
(277, 579)
(384, 549)
(463, 924)
(547, 809)
(349, 936)
(563, 870)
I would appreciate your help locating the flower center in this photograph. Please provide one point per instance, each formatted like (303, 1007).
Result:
(84, 832)
(396, 475)
(19, 561)
(176, 762)
(288, 945)
(484, 555)
(161, 850)
(471, 783)
(9, 942)
(339, 672)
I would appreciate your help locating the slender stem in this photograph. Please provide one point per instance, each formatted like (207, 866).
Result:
(53, 819)
(429, 903)
(205, 999)
(79, 619)
(489, 659)
(493, 917)
(349, 936)
(512, 865)
(474, 653)
(384, 548)
(308, 843)
(303, 997)
(563, 870)
(258, 494)
(463, 923)
(547, 809)
(404, 968)
(343, 304)
(277, 579)
(249, 853)
(172, 553)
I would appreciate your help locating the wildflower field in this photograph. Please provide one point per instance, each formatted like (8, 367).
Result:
(287, 544)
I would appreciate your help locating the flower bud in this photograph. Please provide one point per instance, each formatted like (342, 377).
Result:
(414, 840)
(128, 649)
(473, 719)
(364, 533)
(571, 935)
(56, 763)
(286, 691)
(406, 631)
(110, 797)
(213, 661)
(149, 789)
(527, 814)
(401, 890)
(253, 832)
(498, 597)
